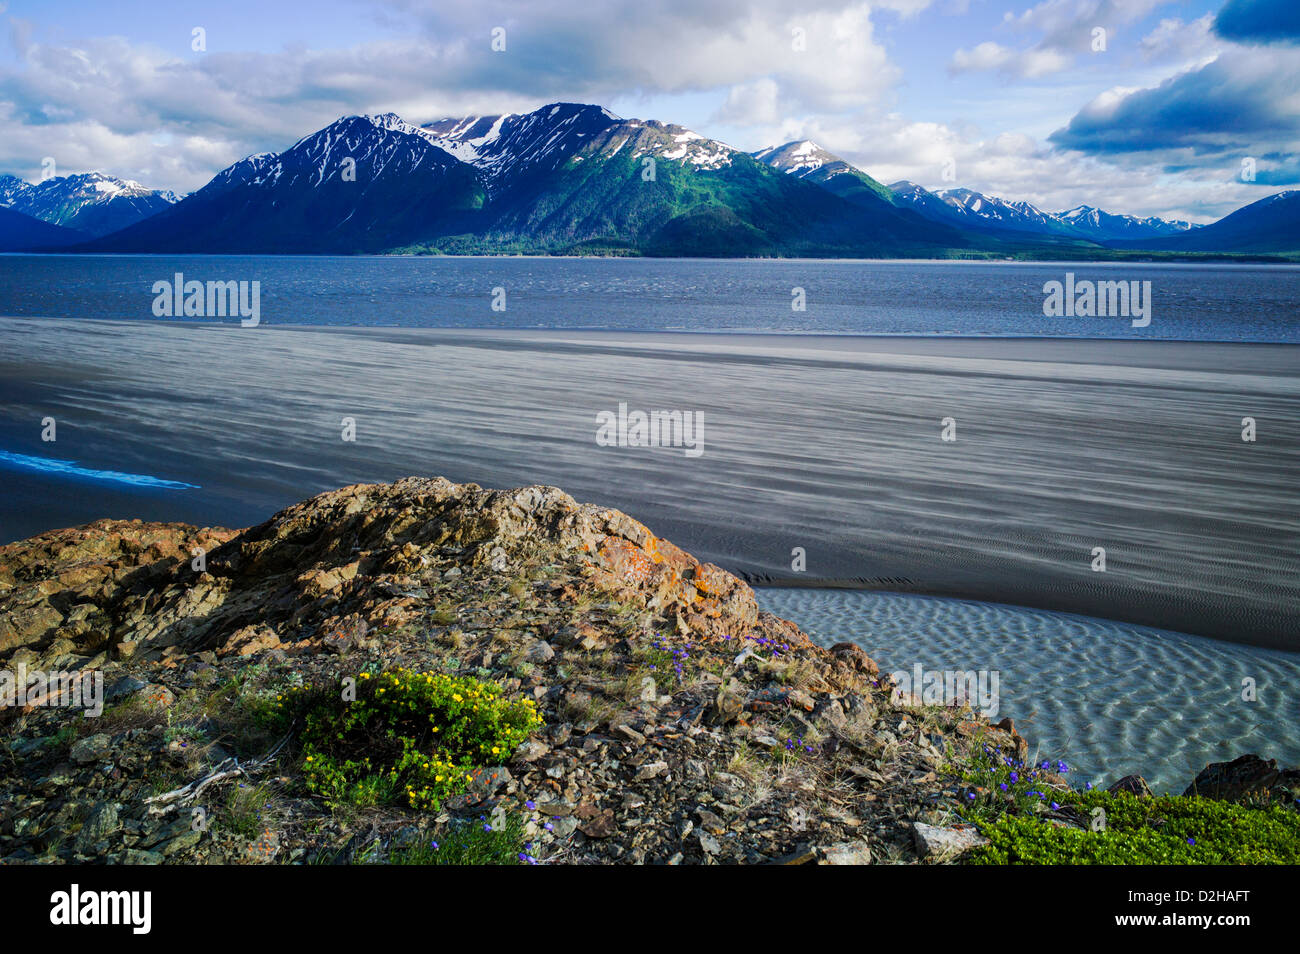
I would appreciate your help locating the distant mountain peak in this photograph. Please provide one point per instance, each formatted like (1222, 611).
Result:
(804, 159)
(798, 157)
(91, 202)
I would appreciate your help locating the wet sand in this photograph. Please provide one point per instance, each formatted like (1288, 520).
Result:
(830, 444)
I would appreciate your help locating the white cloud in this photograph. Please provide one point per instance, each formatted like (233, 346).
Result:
(97, 103)
(1028, 64)
(1066, 29)
(1172, 39)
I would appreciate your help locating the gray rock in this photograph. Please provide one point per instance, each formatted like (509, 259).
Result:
(531, 751)
(123, 688)
(90, 749)
(539, 652)
(652, 770)
(649, 691)
(139, 856)
(846, 853)
(945, 843)
(99, 824)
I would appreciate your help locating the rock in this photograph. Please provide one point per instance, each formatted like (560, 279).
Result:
(846, 853)
(797, 697)
(1133, 785)
(728, 704)
(175, 837)
(531, 751)
(372, 577)
(1247, 778)
(158, 696)
(649, 691)
(139, 856)
(945, 843)
(90, 749)
(711, 822)
(630, 733)
(123, 688)
(250, 640)
(595, 822)
(556, 808)
(99, 824)
(652, 770)
(488, 781)
(539, 652)
(855, 657)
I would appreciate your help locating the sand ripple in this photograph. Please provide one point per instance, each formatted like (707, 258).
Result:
(1110, 698)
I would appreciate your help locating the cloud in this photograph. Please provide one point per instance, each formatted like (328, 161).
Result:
(1243, 102)
(99, 102)
(1065, 29)
(1172, 39)
(1259, 21)
(1028, 64)
(1014, 166)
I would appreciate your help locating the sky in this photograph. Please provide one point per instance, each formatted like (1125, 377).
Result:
(1184, 109)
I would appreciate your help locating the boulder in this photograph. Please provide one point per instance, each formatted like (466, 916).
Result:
(1247, 778)
(944, 844)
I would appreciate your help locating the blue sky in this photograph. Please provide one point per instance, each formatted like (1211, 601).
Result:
(1137, 106)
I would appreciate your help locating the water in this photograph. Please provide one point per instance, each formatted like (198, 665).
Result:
(1224, 302)
(830, 444)
(1107, 697)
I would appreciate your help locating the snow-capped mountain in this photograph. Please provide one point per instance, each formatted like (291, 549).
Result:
(511, 148)
(569, 175)
(990, 214)
(363, 183)
(1099, 225)
(566, 177)
(91, 202)
(804, 159)
(983, 213)
(799, 158)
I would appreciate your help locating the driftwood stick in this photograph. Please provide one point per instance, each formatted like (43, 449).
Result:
(230, 768)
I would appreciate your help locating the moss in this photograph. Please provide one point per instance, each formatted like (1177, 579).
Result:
(1170, 829)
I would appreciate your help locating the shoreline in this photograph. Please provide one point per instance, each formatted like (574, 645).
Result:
(1117, 257)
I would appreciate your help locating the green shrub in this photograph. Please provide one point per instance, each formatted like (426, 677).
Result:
(1166, 830)
(413, 738)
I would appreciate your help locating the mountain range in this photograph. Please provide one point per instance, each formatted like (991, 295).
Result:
(563, 179)
(90, 203)
(576, 179)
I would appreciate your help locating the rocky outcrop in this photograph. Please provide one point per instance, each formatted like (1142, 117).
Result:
(683, 724)
(1247, 779)
(343, 562)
